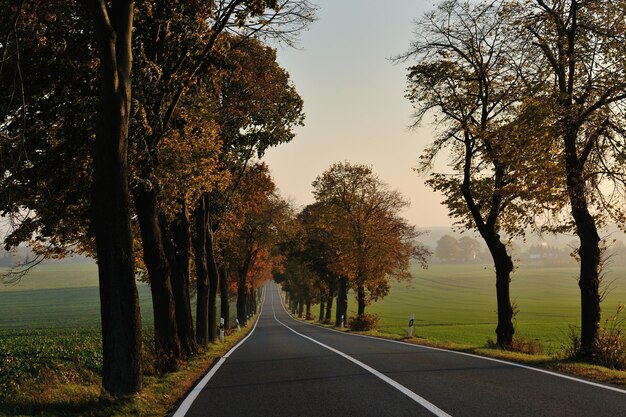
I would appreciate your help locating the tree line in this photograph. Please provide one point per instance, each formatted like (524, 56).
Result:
(131, 132)
(528, 99)
(351, 237)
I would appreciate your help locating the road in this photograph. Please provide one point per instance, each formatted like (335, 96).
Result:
(290, 368)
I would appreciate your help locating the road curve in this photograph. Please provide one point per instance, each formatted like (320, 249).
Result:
(290, 368)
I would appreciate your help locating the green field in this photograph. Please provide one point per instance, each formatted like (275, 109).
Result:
(53, 296)
(456, 303)
(50, 329)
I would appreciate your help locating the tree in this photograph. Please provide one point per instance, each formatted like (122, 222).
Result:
(319, 255)
(448, 249)
(121, 322)
(467, 75)
(373, 242)
(582, 45)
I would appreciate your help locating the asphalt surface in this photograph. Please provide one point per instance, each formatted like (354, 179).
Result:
(290, 368)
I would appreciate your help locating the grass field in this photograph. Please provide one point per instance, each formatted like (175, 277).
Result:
(456, 303)
(50, 342)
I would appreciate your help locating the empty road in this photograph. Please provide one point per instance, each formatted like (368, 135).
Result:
(289, 368)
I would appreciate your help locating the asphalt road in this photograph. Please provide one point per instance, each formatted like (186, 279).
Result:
(289, 368)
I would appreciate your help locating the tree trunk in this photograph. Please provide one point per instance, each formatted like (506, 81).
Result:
(241, 299)
(224, 302)
(167, 344)
(322, 309)
(308, 309)
(504, 267)
(300, 307)
(214, 278)
(361, 300)
(181, 235)
(589, 251)
(342, 301)
(329, 302)
(110, 205)
(202, 273)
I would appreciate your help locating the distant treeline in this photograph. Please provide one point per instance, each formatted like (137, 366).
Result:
(23, 255)
(467, 249)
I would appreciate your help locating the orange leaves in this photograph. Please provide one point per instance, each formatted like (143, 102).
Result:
(361, 214)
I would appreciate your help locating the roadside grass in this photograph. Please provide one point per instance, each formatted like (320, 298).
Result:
(50, 378)
(457, 303)
(51, 351)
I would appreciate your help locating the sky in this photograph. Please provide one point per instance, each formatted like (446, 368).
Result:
(355, 105)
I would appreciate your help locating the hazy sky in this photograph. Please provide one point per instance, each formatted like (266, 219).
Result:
(354, 103)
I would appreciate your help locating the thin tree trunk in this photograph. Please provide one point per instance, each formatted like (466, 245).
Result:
(214, 278)
(308, 309)
(202, 273)
(167, 344)
(329, 302)
(300, 307)
(322, 309)
(224, 302)
(110, 205)
(181, 235)
(342, 301)
(241, 298)
(361, 300)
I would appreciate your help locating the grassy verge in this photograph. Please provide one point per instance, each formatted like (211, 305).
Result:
(51, 378)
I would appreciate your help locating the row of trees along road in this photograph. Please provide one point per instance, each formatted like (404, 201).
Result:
(529, 100)
(124, 120)
(351, 237)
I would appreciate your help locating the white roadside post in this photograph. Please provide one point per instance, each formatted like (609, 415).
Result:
(238, 326)
(222, 329)
(341, 325)
(411, 319)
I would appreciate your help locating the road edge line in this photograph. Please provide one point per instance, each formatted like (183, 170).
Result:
(472, 355)
(184, 407)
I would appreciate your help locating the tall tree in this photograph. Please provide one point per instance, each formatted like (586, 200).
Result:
(373, 241)
(582, 45)
(467, 76)
(121, 322)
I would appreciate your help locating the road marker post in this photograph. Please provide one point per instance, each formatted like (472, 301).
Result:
(411, 319)
(341, 325)
(222, 329)
(238, 326)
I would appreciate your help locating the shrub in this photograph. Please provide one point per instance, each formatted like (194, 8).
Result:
(520, 344)
(609, 348)
(363, 323)
(527, 345)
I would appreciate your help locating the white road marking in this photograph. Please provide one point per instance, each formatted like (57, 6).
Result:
(420, 400)
(193, 394)
(518, 365)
